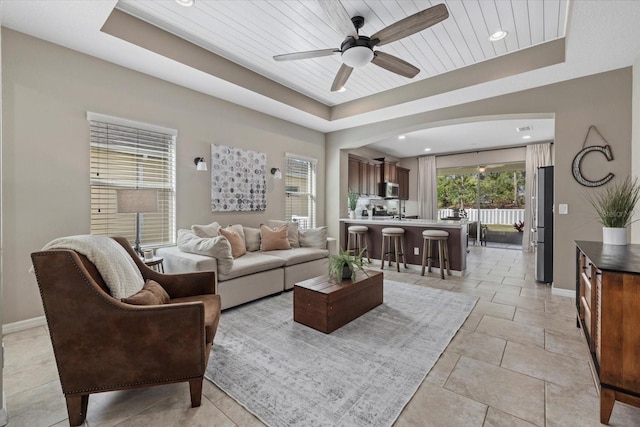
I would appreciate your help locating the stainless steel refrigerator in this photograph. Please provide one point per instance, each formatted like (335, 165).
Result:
(544, 224)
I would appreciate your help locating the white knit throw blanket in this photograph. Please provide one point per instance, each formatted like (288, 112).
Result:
(114, 264)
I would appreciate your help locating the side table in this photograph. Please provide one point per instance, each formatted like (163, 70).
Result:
(155, 263)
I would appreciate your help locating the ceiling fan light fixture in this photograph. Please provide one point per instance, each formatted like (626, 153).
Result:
(357, 56)
(498, 35)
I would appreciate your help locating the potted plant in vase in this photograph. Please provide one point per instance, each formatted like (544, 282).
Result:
(352, 195)
(615, 207)
(344, 265)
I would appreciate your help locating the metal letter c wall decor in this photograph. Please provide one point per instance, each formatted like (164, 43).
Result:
(577, 161)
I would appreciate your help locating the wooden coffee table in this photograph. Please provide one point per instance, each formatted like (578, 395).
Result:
(326, 306)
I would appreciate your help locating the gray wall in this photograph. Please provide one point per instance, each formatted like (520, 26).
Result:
(47, 91)
(603, 100)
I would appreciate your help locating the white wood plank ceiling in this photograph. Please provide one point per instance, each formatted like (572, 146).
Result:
(251, 32)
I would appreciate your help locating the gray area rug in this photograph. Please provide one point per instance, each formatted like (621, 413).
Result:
(363, 374)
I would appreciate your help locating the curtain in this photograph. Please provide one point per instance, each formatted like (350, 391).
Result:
(427, 188)
(536, 155)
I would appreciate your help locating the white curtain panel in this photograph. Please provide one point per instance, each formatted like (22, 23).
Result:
(427, 188)
(537, 155)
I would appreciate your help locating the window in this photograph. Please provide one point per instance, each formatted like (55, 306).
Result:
(300, 189)
(130, 155)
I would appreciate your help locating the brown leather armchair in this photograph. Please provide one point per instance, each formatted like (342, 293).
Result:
(102, 344)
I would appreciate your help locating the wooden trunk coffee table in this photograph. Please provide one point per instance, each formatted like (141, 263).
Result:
(326, 306)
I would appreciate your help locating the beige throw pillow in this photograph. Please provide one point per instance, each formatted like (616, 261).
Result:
(252, 238)
(314, 238)
(238, 247)
(240, 230)
(292, 234)
(215, 247)
(274, 239)
(210, 230)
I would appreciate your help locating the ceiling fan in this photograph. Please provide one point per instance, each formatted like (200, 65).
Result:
(357, 50)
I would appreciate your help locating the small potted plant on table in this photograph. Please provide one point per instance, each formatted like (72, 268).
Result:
(345, 264)
(615, 207)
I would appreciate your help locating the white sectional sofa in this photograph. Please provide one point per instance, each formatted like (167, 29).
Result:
(255, 274)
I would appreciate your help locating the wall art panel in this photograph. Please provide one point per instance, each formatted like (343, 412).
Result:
(238, 179)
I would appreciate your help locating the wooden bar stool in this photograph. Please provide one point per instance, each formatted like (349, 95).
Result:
(441, 237)
(359, 233)
(395, 240)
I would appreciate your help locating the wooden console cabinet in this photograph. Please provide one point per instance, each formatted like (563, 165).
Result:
(608, 305)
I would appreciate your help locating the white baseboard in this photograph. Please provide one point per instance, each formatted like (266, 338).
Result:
(570, 293)
(22, 325)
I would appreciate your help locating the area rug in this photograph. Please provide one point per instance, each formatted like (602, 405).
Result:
(362, 374)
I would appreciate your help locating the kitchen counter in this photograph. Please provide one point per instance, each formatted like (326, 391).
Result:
(389, 221)
(457, 240)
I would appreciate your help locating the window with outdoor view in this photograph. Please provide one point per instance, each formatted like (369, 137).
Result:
(131, 155)
(300, 190)
(491, 194)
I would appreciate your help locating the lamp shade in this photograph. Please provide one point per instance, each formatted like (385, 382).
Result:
(135, 201)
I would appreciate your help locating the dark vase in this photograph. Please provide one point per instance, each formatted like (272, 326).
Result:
(346, 272)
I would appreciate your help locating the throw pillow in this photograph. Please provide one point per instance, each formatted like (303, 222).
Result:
(215, 247)
(150, 294)
(252, 238)
(314, 238)
(292, 234)
(274, 239)
(210, 230)
(238, 247)
(240, 230)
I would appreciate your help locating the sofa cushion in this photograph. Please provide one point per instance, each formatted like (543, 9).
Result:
(210, 230)
(300, 255)
(251, 262)
(215, 247)
(211, 311)
(235, 240)
(313, 238)
(252, 238)
(292, 231)
(274, 239)
(150, 294)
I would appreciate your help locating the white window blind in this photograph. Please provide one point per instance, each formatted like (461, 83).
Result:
(129, 155)
(300, 189)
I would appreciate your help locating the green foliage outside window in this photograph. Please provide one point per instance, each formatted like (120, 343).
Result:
(498, 190)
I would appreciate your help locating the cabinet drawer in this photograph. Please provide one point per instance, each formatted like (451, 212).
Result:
(586, 286)
(587, 316)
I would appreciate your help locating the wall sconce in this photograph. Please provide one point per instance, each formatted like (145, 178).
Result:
(201, 165)
(276, 173)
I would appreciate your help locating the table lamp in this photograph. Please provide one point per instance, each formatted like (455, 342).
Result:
(137, 201)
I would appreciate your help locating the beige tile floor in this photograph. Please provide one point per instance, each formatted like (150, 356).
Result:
(517, 361)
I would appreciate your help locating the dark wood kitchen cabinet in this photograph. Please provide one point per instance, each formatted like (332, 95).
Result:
(354, 174)
(403, 182)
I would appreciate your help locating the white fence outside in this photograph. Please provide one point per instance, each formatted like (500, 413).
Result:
(489, 216)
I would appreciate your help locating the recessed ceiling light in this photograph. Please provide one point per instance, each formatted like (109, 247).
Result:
(526, 137)
(498, 35)
(402, 137)
(427, 149)
(342, 89)
(185, 3)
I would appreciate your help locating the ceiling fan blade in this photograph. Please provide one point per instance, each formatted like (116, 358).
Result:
(305, 55)
(341, 78)
(411, 24)
(394, 64)
(339, 17)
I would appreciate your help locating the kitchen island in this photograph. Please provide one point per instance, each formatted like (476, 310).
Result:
(413, 238)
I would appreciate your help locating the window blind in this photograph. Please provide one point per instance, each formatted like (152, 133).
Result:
(129, 157)
(300, 189)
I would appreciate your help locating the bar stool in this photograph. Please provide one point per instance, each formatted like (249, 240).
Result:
(359, 233)
(441, 237)
(395, 237)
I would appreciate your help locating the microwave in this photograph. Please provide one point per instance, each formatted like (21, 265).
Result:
(390, 190)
